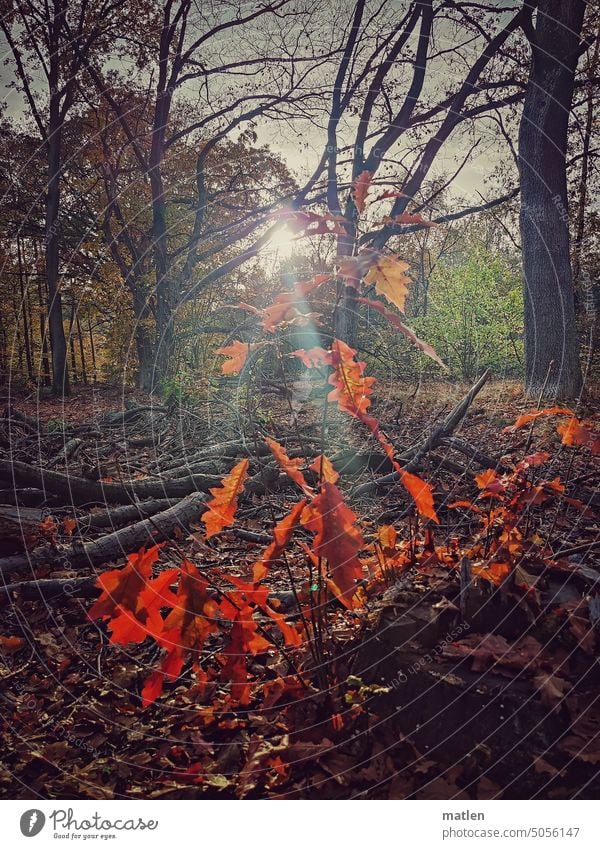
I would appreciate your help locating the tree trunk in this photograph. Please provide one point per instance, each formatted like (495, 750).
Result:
(26, 326)
(58, 343)
(143, 340)
(551, 343)
(164, 284)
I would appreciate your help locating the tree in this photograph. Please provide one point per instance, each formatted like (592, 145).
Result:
(551, 345)
(54, 39)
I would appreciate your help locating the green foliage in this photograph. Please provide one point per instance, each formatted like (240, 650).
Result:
(474, 315)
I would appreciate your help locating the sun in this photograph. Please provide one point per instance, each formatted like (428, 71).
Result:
(283, 243)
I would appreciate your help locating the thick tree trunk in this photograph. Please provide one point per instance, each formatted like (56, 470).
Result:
(551, 343)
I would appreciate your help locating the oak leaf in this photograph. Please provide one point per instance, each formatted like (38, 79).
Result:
(220, 512)
(388, 276)
(238, 354)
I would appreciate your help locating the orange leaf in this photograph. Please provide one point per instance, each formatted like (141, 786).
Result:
(489, 481)
(352, 390)
(313, 357)
(526, 418)
(412, 218)
(574, 432)
(282, 534)
(11, 644)
(290, 467)
(237, 353)
(360, 189)
(69, 524)
(220, 512)
(421, 493)
(495, 573)
(336, 539)
(131, 600)
(390, 280)
(387, 537)
(323, 467)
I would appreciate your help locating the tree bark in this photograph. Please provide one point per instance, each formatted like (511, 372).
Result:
(58, 343)
(551, 345)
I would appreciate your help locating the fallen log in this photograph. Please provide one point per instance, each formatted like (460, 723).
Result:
(81, 491)
(412, 461)
(119, 516)
(113, 546)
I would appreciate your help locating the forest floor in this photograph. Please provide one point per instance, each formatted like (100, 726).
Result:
(448, 683)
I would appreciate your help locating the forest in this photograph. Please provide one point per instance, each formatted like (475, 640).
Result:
(299, 412)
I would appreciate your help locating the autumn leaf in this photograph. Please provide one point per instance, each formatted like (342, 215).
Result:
(69, 524)
(495, 573)
(290, 467)
(391, 193)
(421, 493)
(489, 482)
(412, 218)
(360, 189)
(10, 644)
(191, 619)
(131, 600)
(323, 468)
(314, 357)
(395, 321)
(388, 276)
(352, 390)
(238, 354)
(303, 222)
(532, 416)
(243, 640)
(220, 512)
(574, 432)
(552, 689)
(387, 536)
(282, 534)
(336, 539)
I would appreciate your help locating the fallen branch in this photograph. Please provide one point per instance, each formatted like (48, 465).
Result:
(412, 461)
(115, 545)
(81, 491)
(119, 516)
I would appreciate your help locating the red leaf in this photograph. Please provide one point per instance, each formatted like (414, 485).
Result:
(574, 432)
(290, 467)
(323, 467)
(220, 512)
(130, 600)
(412, 218)
(421, 493)
(336, 539)
(489, 481)
(314, 357)
(360, 189)
(237, 353)
(11, 644)
(282, 534)
(526, 418)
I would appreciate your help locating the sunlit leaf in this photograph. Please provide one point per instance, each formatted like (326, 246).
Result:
(220, 512)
